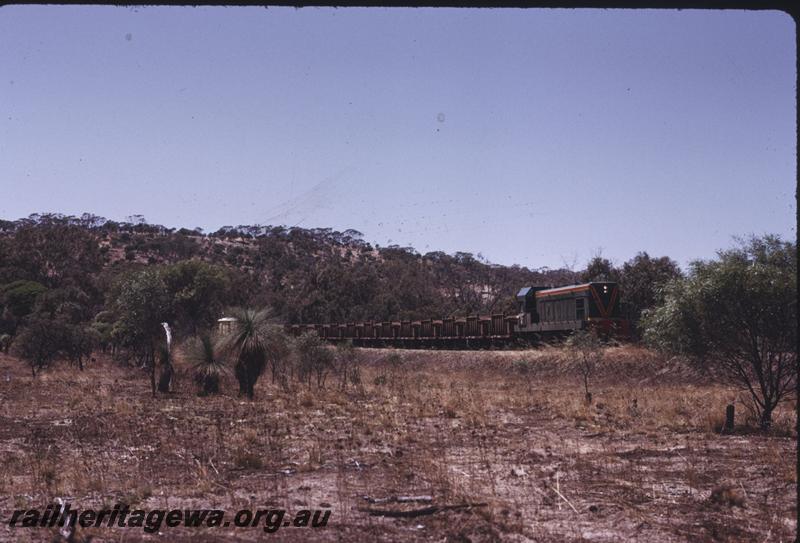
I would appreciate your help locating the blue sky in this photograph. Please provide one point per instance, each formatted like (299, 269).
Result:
(531, 136)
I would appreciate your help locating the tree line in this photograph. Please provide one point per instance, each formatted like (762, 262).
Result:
(73, 285)
(306, 275)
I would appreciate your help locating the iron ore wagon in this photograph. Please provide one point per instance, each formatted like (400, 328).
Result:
(544, 313)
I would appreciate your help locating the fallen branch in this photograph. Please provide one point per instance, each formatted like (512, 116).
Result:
(565, 499)
(400, 499)
(419, 512)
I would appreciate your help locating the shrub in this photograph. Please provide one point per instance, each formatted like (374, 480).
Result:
(737, 315)
(314, 358)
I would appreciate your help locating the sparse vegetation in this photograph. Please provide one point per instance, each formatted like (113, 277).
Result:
(347, 365)
(445, 445)
(463, 427)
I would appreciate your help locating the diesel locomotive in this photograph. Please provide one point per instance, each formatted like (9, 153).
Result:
(544, 313)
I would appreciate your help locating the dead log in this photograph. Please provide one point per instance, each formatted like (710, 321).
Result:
(400, 499)
(395, 513)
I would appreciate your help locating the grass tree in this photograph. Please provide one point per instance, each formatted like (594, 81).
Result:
(253, 341)
(209, 367)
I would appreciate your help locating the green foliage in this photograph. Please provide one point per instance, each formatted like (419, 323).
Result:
(599, 269)
(19, 297)
(306, 275)
(103, 326)
(17, 301)
(188, 294)
(42, 341)
(642, 280)
(79, 343)
(69, 303)
(39, 344)
(141, 302)
(55, 251)
(737, 314)
(199, 290)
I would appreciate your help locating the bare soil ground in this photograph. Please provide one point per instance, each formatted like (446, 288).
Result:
(506, 429)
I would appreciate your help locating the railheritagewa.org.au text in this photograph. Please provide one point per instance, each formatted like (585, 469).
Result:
(155, 520)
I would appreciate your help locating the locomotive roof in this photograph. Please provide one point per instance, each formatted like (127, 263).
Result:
(572, 288)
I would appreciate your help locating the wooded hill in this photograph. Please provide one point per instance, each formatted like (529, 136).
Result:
(305, 275)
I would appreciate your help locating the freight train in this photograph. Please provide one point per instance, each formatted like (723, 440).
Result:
(544, 313)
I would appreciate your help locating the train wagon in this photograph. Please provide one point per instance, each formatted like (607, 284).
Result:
(544, 313)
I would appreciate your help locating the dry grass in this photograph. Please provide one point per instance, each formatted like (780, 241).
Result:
(645, 460)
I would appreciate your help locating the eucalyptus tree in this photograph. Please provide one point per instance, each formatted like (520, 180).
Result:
(141, 302)
(737, 315)
(642, 279)
(198, 290)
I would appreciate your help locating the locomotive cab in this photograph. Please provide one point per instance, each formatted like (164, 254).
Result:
(526, 302)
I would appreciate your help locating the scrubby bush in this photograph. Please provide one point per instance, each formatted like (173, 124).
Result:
(39, 344)
(314, 359)
(42, 341)
(586, 351)
(347, 365)
(79, 342)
